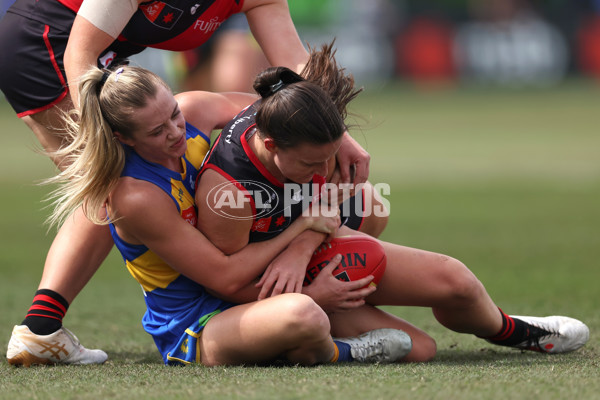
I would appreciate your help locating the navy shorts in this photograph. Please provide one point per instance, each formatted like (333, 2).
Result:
(33, 39)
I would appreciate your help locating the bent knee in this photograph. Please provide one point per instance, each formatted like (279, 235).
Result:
(461, 286)
(303, 316)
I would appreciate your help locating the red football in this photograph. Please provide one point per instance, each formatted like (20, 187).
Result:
(361, 256)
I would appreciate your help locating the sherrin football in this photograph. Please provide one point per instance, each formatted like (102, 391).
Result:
(361, 256)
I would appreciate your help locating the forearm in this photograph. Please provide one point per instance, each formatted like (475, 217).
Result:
(244, 266)
(86, 43)
(274, 30)
(246, 294)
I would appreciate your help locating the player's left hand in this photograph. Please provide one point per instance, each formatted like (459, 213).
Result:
(352, 159)
(285, 274)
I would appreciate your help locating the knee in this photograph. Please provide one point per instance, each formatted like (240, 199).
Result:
(303, 316)
(461, 285)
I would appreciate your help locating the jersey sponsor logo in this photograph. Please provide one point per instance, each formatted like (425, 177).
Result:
(207, 26)
(233, 126)
(161, 14)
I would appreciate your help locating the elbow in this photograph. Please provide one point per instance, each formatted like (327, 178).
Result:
(227, 291)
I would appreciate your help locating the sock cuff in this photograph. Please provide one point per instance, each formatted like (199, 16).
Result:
(58, 300)
(336, 353)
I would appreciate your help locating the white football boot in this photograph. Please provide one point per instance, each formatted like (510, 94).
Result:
(554, 334)
(379, 345)
(61, 347)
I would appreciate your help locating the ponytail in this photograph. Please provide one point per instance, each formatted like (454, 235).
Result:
(94, 158)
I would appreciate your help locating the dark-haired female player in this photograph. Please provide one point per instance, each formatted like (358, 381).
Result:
(291, 136)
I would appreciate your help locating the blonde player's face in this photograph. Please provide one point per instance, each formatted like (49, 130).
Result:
(159, 135)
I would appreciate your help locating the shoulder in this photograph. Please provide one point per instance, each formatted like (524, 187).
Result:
(132, 197)
(208, 111)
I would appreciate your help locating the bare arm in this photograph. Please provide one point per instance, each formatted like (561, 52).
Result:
(97, 24)
(208, 111)
(86, 43)
(148, 216)
(273, 28)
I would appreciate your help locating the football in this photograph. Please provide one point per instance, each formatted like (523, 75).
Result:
(361, 256)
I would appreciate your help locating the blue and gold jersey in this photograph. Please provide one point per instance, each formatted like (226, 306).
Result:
(177, 307)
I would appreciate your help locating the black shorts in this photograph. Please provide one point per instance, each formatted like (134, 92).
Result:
(33, 39)
(352, 211)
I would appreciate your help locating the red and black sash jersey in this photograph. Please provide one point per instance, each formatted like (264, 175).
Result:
(275, 205)
(175, 25)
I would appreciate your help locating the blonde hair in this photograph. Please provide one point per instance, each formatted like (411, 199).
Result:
(93, 157)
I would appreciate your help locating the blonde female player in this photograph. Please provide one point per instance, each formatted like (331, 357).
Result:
(46, 45)
(133, 151)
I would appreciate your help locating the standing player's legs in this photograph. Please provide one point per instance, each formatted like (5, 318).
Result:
(80, 246)
(76, 253)
(48, 128)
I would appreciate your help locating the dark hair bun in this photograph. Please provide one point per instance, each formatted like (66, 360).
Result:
(272, 79)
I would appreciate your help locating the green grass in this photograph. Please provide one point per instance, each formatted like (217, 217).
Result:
(506, 181)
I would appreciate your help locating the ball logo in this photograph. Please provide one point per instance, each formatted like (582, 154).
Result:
(227, 197)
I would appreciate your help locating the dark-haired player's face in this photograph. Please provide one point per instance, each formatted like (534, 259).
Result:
(300, 163)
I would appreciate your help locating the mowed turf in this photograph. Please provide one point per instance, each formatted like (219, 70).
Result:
(508, 181)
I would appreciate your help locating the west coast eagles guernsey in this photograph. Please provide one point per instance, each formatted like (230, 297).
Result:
(275, 205)
(177, 308)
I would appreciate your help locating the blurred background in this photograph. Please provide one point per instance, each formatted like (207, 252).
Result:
(481, 115)
(430, 43)
(511, 43)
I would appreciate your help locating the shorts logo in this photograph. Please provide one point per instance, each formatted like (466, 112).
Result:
(161, 14)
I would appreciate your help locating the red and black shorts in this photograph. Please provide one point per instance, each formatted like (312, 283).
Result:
(33, 39)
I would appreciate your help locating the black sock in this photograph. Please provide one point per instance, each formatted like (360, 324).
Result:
(514, 331)
(46, 312)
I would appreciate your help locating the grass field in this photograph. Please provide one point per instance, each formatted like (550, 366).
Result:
(508, 181)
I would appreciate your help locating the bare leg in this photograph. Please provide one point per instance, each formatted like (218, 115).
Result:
(290, 325)
(366, 318)
(420, 278)
(80, 246)
(48, 127)
(76, 253)
(376, 212)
